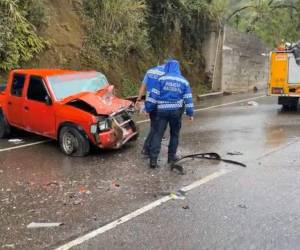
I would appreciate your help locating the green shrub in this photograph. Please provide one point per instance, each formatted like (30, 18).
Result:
(116, 27)
(128, 87)
(19, 41)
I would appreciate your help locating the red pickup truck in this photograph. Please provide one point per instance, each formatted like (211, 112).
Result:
(76, 108)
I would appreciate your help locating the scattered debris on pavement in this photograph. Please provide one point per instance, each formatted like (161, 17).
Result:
(83, 190)
(179, 169)
(185, 207)
(77, 202)
(11, 246)
(44, 225)
(115, 184)
(234, 153)
(179, 195)
(242, 206)
(225, 93)
(16, 141)
(52, 183)
(252, 103)
(207, 156)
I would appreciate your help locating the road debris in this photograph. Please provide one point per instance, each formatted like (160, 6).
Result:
(185, 207)
(16, 141)
(179, 195)
(83, 190)
(115, 184)
(77, 202)
(12, 246)
(234, 153)
(179, 169)
(242, 206)
(225, 93)
(52, 183)
(252, 103)
(43, 225)
(207, 156)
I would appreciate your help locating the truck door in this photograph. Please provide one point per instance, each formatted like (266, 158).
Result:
(15, 100)
(38, 115)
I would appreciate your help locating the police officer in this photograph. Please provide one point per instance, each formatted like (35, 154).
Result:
(171, 95)
(150, 80)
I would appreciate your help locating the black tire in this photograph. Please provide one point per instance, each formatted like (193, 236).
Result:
(289, 107)
(4, 126)
(73, 142)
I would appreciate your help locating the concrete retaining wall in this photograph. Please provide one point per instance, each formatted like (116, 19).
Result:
(244, 62)
(236, 62)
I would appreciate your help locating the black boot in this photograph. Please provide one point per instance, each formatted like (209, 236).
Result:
(153, 163)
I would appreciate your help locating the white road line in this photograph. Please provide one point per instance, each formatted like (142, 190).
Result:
(23, 146)
(138, 212)
(217, 106)
(294, 141)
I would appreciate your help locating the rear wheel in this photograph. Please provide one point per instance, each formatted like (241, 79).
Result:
(73, 142)
(4, 126)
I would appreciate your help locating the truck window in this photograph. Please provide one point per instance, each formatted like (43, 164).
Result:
(36, 89)
(17, 85)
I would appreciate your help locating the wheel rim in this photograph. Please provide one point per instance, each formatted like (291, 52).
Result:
(69, 143)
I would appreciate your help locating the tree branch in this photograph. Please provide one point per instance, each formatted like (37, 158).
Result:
(239, 10)
(289, 6)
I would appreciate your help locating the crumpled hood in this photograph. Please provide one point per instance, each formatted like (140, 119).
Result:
(103, 102)
(172, 67)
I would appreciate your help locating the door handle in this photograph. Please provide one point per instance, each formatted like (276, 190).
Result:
(26, 108)
(9, 103)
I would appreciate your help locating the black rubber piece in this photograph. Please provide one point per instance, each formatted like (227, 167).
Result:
(207, 156)
(177, 168)
(83, 147)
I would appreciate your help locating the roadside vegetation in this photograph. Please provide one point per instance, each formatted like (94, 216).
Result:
(124, 37)
(19, 40)
(271, 20)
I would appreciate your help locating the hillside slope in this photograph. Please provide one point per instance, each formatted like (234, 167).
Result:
(65, 32)
(121, 38)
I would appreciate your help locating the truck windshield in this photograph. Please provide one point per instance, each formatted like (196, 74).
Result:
(71, 84)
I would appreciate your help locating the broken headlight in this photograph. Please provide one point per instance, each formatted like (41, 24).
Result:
(104, 124)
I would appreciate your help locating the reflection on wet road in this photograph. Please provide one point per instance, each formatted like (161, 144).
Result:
(40, 184)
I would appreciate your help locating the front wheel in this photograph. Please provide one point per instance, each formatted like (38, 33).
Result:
(4, 127)
(72, 142)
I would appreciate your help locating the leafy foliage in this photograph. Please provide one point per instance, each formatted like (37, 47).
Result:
(19, 41)
(116, 27)
(191, 18)
(269, 19)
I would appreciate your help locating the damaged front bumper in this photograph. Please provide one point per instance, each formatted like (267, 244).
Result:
(115, 131)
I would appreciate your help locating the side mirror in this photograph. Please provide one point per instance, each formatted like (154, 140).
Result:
(48, 100)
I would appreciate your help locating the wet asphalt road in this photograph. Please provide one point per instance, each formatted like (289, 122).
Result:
(252, 208)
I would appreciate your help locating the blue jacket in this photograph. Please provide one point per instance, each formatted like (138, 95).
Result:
(172, 91)
(151, 77)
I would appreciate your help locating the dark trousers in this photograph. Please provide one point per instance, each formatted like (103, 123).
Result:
(162, 119)
(151, 133)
